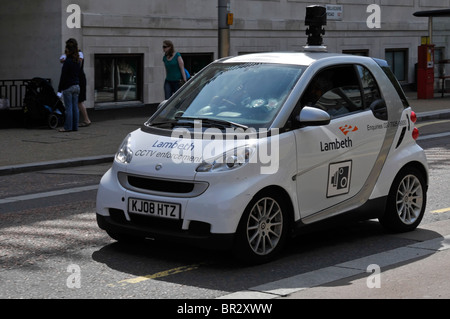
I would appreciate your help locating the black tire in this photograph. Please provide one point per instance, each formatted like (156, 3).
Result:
(263, 229)
(53, 121)
(406, 201)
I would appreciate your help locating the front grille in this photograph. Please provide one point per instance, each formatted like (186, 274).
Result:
(161, 187)
(155, 222)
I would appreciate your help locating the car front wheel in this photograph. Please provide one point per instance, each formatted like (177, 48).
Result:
(263, 229)
(406, 201)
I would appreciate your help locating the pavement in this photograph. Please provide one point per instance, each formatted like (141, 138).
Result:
(416, 271)
(419, 270)
(37, 148)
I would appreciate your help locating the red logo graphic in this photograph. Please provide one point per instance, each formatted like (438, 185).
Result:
(348, 128)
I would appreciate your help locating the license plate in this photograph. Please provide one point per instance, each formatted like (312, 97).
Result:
(152, 208)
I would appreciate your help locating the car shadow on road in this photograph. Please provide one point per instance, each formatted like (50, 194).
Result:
(218, 270)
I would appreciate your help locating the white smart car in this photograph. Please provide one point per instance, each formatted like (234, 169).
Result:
(256, 147)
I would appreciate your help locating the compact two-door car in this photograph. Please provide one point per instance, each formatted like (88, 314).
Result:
(254, 148)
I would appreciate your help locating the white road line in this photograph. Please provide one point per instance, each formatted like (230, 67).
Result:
(48, 194)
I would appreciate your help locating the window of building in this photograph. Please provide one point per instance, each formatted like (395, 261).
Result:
(194, 62)
(118, 78)
(398, 62)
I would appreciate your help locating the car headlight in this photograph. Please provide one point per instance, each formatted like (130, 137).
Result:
(229, 160)
(125, 154)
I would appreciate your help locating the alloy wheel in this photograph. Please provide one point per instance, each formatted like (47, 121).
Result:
(264, 226)
(409, 199)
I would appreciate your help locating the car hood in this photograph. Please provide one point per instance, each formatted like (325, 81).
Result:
(174, 158)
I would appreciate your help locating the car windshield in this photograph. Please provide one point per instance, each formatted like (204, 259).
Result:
(230, 95)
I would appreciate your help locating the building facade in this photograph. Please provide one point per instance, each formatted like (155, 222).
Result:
(122, 40)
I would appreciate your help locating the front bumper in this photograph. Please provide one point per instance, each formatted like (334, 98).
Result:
(198, 235)
(208, 220)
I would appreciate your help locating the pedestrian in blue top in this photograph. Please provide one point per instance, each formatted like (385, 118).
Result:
(69, 85)
(175, 74)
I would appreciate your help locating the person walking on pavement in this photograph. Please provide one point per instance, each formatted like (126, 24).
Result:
(174, 64)
(82, 97)
(69, 86)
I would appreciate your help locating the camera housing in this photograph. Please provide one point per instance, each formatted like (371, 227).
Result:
(316, 18)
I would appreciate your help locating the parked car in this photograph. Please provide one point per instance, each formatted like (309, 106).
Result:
(256, 147)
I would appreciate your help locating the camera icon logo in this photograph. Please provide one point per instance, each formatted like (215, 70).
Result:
(339, 177)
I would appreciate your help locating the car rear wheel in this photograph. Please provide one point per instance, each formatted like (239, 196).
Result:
(263, 229)
(406, 201)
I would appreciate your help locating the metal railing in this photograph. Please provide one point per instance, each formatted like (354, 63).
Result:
(14, 91)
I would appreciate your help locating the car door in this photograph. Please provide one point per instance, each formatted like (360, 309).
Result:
(335, 161)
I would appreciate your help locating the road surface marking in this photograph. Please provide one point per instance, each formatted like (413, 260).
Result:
(419, 125)
(160, 274)
(440, 211)
(428, 137)
(48, 194)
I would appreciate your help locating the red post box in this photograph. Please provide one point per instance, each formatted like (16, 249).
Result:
(425, 72)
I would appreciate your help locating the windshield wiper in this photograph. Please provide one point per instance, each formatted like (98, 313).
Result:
(223, 123)
(172, 123)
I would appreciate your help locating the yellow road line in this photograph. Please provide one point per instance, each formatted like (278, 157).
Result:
(160, 274)
(422, 124)
(440, 211)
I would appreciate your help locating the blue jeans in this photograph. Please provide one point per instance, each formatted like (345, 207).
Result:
(170, 87)
(71, 103)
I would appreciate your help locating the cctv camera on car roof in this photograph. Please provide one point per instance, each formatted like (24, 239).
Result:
(316, 18)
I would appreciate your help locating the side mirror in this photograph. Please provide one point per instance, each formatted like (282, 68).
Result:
(311, 116)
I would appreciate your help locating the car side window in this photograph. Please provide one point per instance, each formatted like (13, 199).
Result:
(335, 90)
(371, 92)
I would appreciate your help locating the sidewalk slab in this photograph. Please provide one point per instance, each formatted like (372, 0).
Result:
(40, 166)
(285, 287)
(297, 286)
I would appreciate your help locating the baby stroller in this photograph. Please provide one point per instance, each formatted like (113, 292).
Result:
(42, 105)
